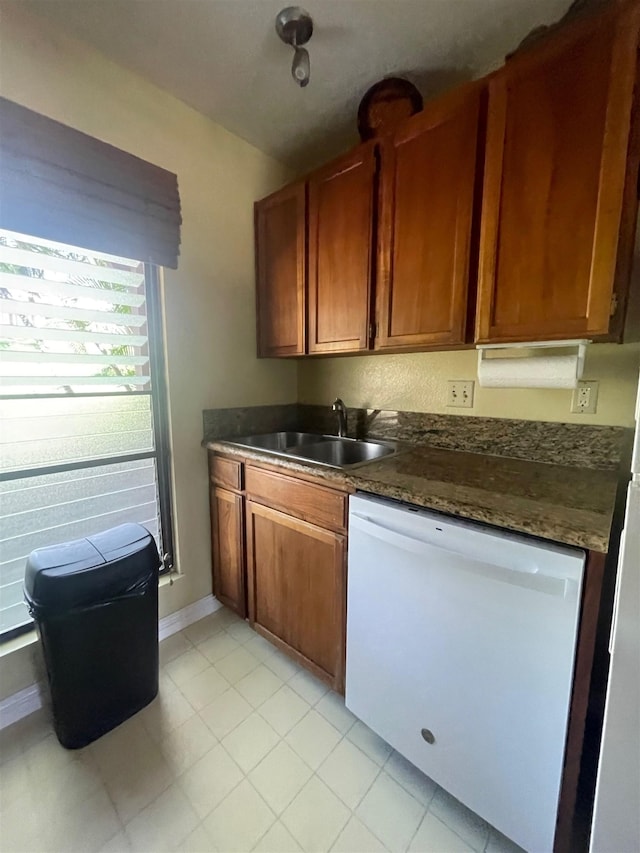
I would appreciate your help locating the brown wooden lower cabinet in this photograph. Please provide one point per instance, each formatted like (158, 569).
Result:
(297, 589)
(227, 546)
(278, 545)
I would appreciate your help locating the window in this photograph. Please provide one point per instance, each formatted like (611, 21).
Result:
(83, 430)
(83, 427)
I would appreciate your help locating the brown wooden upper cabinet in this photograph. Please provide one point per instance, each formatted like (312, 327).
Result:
(556, 163)
(427, 180)
(281, 272)
(341, 202)
(522, 185)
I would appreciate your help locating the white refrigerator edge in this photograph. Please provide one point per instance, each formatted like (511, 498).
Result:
(616, 818)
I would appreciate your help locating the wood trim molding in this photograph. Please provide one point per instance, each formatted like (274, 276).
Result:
(617, 132)
(490, 215)
(585, 648)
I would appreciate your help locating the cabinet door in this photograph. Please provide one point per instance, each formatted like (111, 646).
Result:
(341, 199)
(427, 178)
(227, 547)
(280, 272)
(297, 589)
(557, 137)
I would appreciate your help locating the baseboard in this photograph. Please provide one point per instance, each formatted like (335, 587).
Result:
(25, 702)
(20, 705)
(181, 619)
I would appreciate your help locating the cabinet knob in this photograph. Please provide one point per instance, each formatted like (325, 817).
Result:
(428, 735)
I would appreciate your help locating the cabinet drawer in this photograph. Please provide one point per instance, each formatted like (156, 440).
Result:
(316, 504)
(226, 472)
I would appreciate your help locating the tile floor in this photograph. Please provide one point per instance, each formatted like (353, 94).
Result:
(242, 750)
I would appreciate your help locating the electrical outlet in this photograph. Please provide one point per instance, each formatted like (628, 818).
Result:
(585, 397)
(460, 394)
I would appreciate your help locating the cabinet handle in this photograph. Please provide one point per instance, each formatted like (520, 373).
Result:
(614, 304)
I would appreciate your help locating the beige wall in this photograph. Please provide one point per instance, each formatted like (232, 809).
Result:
(418, 382)
(209, 300)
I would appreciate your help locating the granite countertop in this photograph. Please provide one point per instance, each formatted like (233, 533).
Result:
(570, 505)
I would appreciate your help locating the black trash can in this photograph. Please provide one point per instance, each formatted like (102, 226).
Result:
(95, 603)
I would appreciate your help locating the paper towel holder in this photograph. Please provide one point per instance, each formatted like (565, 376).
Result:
(523, 370)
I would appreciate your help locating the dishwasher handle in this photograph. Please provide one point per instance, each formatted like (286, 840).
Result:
(558, 587)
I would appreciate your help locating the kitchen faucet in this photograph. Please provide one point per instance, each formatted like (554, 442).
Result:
(341, 410)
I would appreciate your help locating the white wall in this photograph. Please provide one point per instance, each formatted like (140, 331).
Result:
(209, 299)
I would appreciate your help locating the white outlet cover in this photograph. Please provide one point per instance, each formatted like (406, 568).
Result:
(584, 400)
(460, 393)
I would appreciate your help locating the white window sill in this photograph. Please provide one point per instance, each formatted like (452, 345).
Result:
(16, 643)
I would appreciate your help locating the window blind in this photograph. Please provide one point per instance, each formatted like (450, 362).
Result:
(63, 185)
(70, 322)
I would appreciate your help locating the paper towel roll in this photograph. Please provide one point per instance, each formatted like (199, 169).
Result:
(559, 371)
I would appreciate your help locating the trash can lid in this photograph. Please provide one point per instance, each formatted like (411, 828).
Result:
(91, 570)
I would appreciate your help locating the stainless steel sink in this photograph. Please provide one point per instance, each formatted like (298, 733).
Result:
(329, 450)
(277, 441)
(345, 452)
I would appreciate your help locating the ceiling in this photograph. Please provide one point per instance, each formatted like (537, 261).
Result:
(223, 57)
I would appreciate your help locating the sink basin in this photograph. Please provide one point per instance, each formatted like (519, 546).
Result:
(329, 450)
(344, 452)
(278, 441)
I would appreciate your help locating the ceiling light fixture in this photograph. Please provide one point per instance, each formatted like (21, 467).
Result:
(295, 27)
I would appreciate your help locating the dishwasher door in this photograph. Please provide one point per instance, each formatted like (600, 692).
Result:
(460, 652)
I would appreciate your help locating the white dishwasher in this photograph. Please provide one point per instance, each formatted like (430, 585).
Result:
(460, 654)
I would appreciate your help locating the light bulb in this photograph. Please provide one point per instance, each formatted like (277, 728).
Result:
(301, 69)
